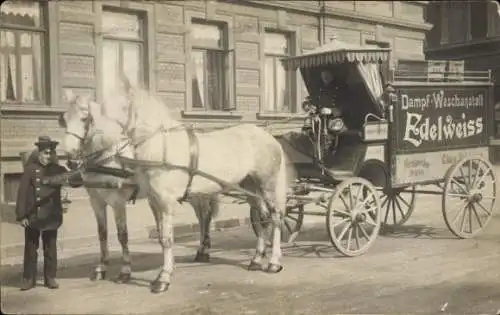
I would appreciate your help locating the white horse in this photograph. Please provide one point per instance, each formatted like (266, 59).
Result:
(77, 121)
(171, 160)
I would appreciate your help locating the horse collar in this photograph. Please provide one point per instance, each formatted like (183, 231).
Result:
(193, 161)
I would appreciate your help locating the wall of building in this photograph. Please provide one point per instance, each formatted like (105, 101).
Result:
(75, 51)
(468, 31)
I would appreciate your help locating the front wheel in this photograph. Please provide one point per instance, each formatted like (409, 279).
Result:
(290, 224)
(354, 218)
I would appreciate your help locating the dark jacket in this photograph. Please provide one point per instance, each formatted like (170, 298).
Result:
(40, 204)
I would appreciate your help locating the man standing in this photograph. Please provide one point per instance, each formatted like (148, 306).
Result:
(39, 211)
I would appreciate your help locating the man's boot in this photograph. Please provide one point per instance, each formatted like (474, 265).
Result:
(27, 284)
(51, 283)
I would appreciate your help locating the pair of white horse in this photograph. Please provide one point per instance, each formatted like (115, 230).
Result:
(134, 130)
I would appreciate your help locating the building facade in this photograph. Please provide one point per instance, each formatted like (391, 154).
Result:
(469, 31)
(213, 62)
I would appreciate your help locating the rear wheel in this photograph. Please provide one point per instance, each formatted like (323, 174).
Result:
(397, 205)
(469, 196)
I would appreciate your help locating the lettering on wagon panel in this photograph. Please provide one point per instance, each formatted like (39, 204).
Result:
(434, 118)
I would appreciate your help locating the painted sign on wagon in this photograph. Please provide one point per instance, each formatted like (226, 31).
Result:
(429, 166)
(431, 119)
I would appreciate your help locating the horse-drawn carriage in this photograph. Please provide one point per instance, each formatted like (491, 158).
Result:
(368, 141)
(374, 137)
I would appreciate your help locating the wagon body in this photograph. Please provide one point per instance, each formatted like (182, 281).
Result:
(406, 130)
(436, 124)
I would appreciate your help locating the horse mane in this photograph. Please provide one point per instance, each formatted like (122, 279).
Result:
(149, 111)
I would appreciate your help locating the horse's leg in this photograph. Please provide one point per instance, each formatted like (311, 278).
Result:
(207, 208)
(119, 210)
(164, 207)
(260, 251)
(275, 193)
(99, 206)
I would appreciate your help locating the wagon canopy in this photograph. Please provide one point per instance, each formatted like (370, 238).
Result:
(352, 64)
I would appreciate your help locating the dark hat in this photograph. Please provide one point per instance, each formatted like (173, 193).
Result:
(45, 142)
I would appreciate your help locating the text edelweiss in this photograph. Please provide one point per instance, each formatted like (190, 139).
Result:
(418, 130)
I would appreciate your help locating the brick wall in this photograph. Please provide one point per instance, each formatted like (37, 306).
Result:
(76, 38)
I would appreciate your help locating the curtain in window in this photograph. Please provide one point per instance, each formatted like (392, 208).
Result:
(269, 84)
(372, 80)
(111, 55)
(283, 99)
(31, 66)
(208, 80)
(215, 79)
(132, 62)
(8, 69)
(198, 79)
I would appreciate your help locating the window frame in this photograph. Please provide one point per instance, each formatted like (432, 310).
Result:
(142, 41)
(291, 76)
(45, 50)
(225, 72)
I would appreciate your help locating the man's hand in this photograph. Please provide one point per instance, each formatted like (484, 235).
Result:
(24, 223)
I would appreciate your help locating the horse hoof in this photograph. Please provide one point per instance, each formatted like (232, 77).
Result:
(159, 286)
(123, 277)
(97, 275)
(273, 268)
(253, 266)
(202, 257)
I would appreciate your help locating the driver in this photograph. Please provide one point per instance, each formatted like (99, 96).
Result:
(329, 91)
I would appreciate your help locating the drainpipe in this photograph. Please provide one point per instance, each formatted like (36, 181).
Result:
(322, 21)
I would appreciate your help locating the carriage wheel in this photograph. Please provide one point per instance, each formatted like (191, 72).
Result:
(354, 217)
(397, 205)
(290, 226)
(469, 196)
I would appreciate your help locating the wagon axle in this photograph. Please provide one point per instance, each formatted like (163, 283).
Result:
(475, 197)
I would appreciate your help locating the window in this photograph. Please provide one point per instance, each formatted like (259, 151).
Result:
(478, 19)
(122, 49)
(278, 81)
(22, 60)
(210, 64)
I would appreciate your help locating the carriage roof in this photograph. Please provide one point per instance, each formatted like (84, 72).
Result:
(337, 52)
(340, 57)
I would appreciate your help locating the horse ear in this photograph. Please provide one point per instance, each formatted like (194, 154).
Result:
(95, 109)
(62, 120)
(69, 95)
(127, 86)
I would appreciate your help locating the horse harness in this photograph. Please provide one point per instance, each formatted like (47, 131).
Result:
(194, 149)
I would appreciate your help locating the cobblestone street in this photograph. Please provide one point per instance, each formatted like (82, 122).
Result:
(421, 268)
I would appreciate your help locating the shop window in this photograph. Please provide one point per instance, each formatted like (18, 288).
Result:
(23, 32)
(278, 81)
(123, 48)
(210, 66)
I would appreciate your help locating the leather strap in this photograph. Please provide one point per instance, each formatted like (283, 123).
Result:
(193, 161)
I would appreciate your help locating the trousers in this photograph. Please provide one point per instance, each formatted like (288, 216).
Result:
(31, 244)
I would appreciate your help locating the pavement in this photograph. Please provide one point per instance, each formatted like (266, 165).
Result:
(421, 268)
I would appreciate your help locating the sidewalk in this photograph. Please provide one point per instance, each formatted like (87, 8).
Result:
(80, 229)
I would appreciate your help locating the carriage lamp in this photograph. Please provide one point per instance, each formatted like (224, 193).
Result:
(326, 111)
(336, 125)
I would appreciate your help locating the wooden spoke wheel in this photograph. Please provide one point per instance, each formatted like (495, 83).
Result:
(290, 226)
(469, 196)
(397, 205)
(354, 216)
